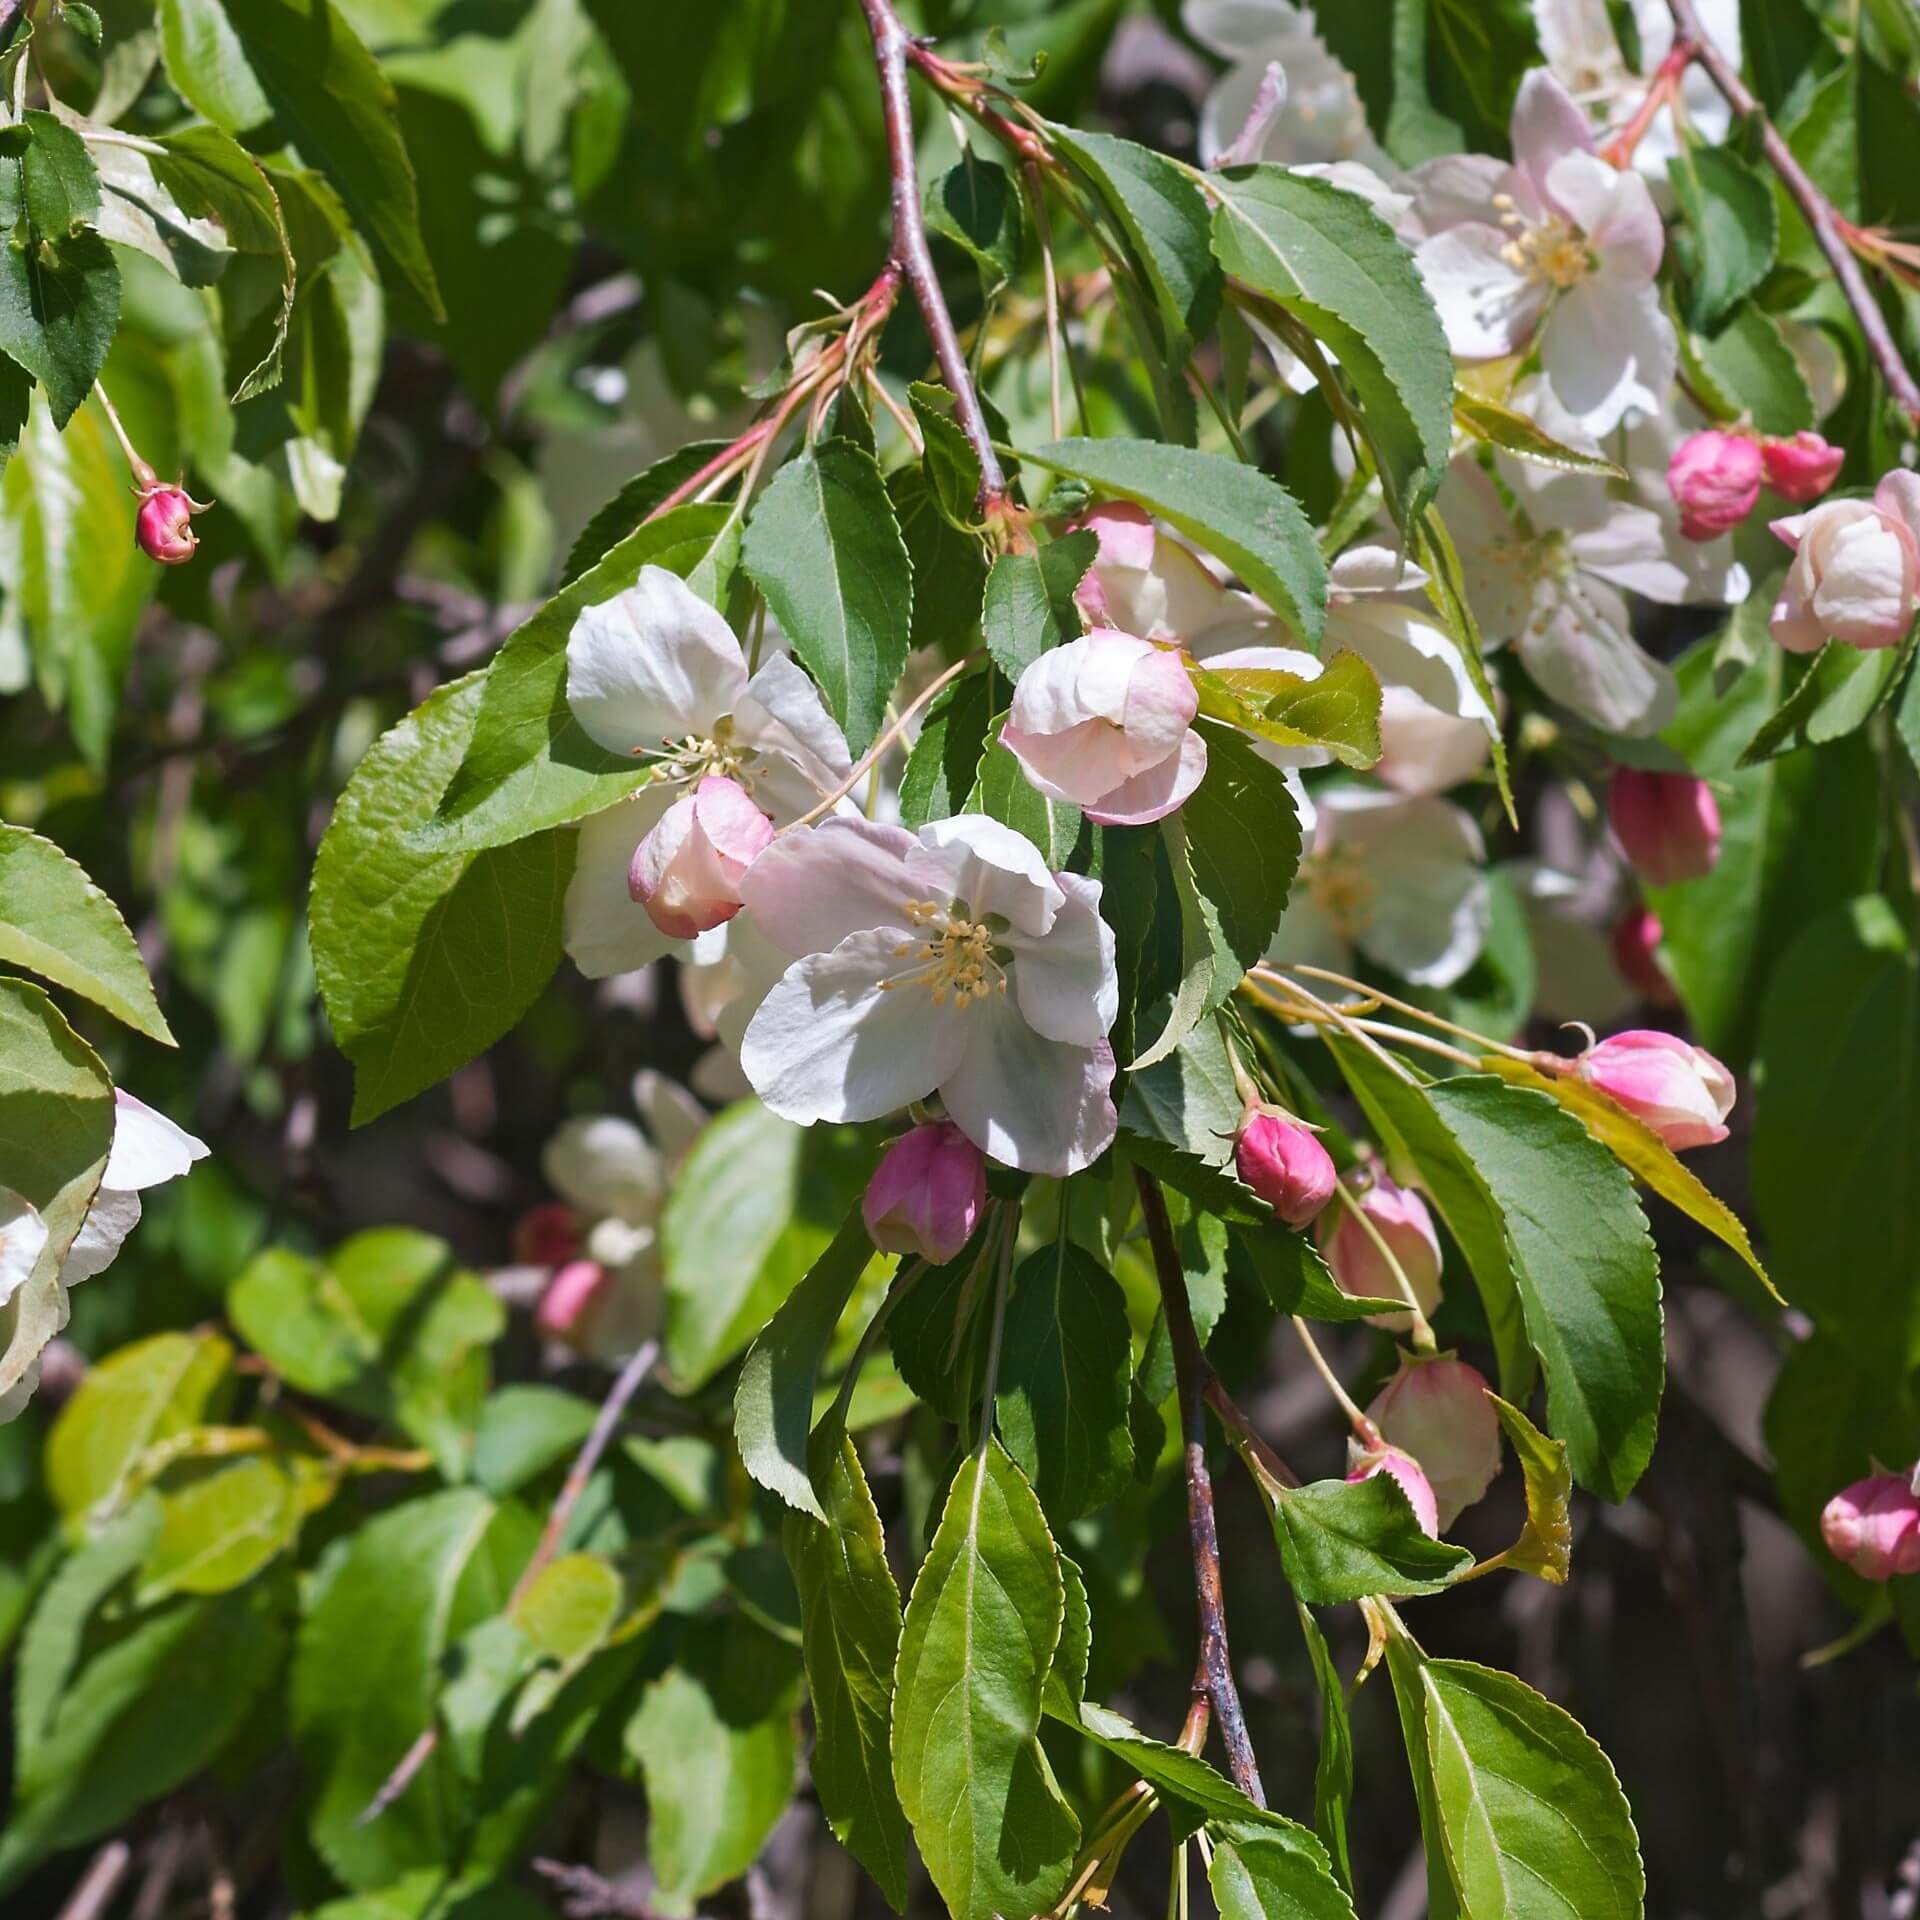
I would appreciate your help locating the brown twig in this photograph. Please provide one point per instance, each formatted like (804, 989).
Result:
(893, 46)
(99, 1883)
(1813, 204)
(586, 1895)
(1190, 1376)
(599, 1438)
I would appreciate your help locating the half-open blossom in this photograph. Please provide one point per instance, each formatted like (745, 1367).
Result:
(1681, 1091)
(927, 1194)
(686, 873)
(1803, 468)
(946, 961)
(1856, 564)
(1106, 724)
(1558, 251)
(655, 673)
(1399, 879)
(163, 528)
(1635, 946)
(1873, 1526)
(1667, 824)
(1406, 1473)
(1438, 1411)
(1714, 479)
(1284, 1164)
(1400, 1220)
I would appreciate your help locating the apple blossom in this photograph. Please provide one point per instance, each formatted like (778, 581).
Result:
(1803, 468)
(1681, 1091)
(1873, 1526)
(23, 1238)
(1714, 479)
(148, 1150)
(1400, 1218)
(686, 873)
(1106, 724)
(1284, 1164)
(1438, 1411)
(1406, 1473)
(1667, 824)
(655, 672)
(946, 961)
(1635, 946)
(1854, 572)
(927, 1194)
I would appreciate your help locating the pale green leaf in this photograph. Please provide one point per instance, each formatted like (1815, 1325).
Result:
(217, 1533)
(1342, 1540)
(1545, 1545)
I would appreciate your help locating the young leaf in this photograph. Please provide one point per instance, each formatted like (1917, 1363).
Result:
(979, 1637)
(1029, 603)
(1546, 1545)
(1747, 367)
(1840, 691)
(1731, 230)
(1525, 439)
(825, 549)
(1333, 1772)
(55, 922)
(621, 517)
(1342, 1540)
(1338, 710)
(1273, 1872)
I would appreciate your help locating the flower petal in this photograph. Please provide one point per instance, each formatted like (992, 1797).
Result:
(1037, 1104)
(1547, 125)
(23, 1238)
(780, 713)
(604, 1164)
(990, 867)
(815, 885)
(113, 1215)
(1065, 982)
(147, 1147)
(1487, 305)
(1606, 348)
(605, 930)
(1580, 651)
(1155, 792)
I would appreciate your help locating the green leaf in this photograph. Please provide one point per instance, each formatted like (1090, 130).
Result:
(945, 760)
(1838, 693)
(295, 71)
(1002, 791)
(951, 466)
(1839, 1126)
(620, 518)
(524, 1431)
(365, 1675)
(825, 549)
(1327, 258)
(1202, 1793)
(1405, 1664)
(979, 1636)
(1066, 1380)
(977, 206)
(1748, 368)
(1338, 710)
(1346, 1540)
(1029, 604)
(850, 1623)
(144, 1393)
(571, 1605)
(217, 1533)
(58, 924)
(1269, 1872)
(1249, 521)
(530, 765)
(1545, 1546)
(773, 1402)
(1333, 1771)
(1531, 1811)
(1293, 1276)
(1783, 47)
(949, 566)
(424, 958)
(1731, 232)
(1525, 439)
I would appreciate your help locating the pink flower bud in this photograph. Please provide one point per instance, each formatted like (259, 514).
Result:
(163, 528)
(1682, 1092)
(1714, 479)
(567, 1306)
(1856, 565)
(1667, 824)
(1285, 1165)
(1635, 943)
(1405, 1472)
(1873, 1526)
(927, 1193)
(546, 1235)
(1438, 1411)
(1401, 1219)
(687, 871)
(1803, 468)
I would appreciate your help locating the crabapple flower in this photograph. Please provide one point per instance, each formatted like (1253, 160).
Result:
(1400, 1217)
(1406, 1473)
(1635, 946)
(1667, 824)
(927, 1194)
(163, 528)
(1106, 724)
(1681, 1091)
(1558, 251)
(23, 1238)
(1714, 479)
(148, 1150)
(1854, 571)
(1398, 879)
(1873, 1526)
(1803, 468)
(686, 873)
(1438, 1411)
(656, 673)
(948, 961)
(1284, 1164)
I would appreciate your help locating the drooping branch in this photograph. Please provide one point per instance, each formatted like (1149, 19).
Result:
(1814, 205)
(893, 46)
(1191, 1375)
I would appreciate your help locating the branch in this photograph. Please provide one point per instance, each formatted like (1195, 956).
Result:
(1191, 1375)
(101, 1881)
(893, 47)
(1813, 204)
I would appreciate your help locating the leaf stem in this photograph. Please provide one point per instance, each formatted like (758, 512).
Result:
(1364, 1429)
(1422, 1336)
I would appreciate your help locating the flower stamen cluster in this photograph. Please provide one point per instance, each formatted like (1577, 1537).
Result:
(957, 958)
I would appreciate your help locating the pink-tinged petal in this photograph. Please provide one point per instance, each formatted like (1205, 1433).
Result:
(686, 873)
(1249, 143)
(1547, 125)
(1065, 982)
(1455, 190)
(831, 1042)
(1285, 1165)
(990, 867)
(1682, 1092)
(1037, 1104)
(1865, 582)
(1487, 305)
(1160, 707)
(1898, 497)
(927, 1194)
(1156, 792)
(815, 885)
(1793, 622)
(652, 664)
(780, 713)
(148, 1148)
(1074, 766)
(603, 931)
(1125, 533)
(1614, 211)
(1791, 528)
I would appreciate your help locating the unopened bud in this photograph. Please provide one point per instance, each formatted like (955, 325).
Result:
(687, 871)
(1714, 479)
(1873, 1526)
(1438, 1411)
(1803, 468)
(163, 528)
(927, 1193)
(1285, 1165)
(547, 1235)
(1400, 1218)
(1635, 945)
(1682, 1092)
(1667, 824)
(567, 1307)
(1405, 1472)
